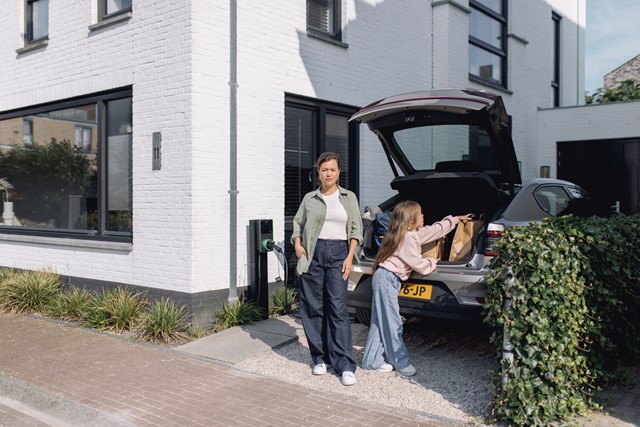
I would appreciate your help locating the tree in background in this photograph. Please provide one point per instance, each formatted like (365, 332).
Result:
(628, 90)
(44, 175)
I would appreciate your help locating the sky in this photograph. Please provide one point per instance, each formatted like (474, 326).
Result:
(612, 38)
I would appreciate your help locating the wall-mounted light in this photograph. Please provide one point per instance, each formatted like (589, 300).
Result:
(545, 171)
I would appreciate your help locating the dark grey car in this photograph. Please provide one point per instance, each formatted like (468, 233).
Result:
(451, 151)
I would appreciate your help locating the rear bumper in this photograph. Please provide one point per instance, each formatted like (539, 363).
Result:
(458, 292)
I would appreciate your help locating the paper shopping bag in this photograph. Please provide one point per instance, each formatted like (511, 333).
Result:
(433, 249)
(464, 239)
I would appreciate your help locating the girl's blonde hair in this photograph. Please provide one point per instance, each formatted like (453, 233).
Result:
(405, 215)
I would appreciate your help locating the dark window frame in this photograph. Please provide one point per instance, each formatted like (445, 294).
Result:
(101, 100)
(336, 35)
(28, 33)
(102, 11)
(320, 109)
(555, 82)
(483, 45)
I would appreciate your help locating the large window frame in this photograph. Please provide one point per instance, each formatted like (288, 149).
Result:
(324, 19)
(479, 45)
(103, 230)
(36, 21)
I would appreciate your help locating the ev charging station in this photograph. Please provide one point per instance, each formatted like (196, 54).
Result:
(260, 244)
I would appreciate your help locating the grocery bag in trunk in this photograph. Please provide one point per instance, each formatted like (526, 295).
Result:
(464, 239)
(433, 249)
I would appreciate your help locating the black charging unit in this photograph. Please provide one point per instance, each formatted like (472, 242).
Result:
(260, 244)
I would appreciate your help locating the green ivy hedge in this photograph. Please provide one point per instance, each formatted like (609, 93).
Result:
(566, 295)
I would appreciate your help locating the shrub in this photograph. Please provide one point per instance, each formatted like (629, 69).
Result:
(285, 301)
(195, 332)
(566, 295)
(240, 313)
(115, 309)
(164, 321)
(29, 291)
(71, 305)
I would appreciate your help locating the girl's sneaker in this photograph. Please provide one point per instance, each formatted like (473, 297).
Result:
(409, 371)
(385, 367)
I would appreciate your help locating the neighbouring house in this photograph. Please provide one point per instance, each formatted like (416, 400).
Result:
(630, 70)
(142, 137)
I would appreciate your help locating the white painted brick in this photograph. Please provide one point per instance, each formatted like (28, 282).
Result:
(175, 54)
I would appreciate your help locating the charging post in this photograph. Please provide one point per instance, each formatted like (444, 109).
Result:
(260, 244)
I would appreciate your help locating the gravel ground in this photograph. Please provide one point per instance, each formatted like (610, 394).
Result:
(454, 363)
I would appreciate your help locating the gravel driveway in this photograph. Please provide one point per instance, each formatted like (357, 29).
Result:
(454, 363)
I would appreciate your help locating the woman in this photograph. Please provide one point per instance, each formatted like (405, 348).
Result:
(326, 231)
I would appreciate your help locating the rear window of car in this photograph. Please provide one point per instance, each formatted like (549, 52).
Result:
(426, 146)
(553, 200)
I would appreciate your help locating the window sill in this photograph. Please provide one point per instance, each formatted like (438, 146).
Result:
(40, 44)
(327, 38)
(489, 83)
(110, 21)
(74, 243)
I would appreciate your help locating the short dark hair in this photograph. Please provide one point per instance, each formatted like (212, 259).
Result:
(327, 156)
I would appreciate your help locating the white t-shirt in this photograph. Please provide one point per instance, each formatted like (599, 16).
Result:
(335, 223)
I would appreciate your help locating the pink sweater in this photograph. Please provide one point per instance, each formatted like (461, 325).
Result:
(408, 257)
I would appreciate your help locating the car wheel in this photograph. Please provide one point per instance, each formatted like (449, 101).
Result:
(364, 316)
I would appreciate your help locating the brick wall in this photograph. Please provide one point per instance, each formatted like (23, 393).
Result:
(175, 55)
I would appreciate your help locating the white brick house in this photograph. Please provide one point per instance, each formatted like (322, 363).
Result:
(172, 61)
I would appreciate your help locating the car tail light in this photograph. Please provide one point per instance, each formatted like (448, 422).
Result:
(494, 233)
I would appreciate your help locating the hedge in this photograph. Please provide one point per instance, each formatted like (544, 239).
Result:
(566, 295)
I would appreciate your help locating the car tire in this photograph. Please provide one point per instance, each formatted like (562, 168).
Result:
(364, 316)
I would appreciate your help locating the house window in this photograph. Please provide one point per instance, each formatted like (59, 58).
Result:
(323, 18)
(27, 131)
(311, 128)
(555, 78)
(83, 138)
(487, 42)
(37, 20)
(73, 179)
(109, 8)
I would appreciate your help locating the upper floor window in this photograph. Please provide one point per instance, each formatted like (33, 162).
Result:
(37, 20)
(323, 18)
(487, 41)
(70, 166)
(109, 8)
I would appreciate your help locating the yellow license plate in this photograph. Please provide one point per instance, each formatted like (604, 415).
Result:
(416, 291)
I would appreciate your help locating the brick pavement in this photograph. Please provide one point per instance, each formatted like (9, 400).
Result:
(130, 383)
(72, 376)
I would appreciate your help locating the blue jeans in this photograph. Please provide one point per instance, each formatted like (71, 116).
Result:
(385, 331)
(323, 307)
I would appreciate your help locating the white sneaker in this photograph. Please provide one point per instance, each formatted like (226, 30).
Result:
(348, 378)
(408, 371)
(319, 369)
(385, 367)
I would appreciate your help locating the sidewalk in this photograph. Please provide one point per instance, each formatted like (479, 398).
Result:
(69, 376)
(84, 378)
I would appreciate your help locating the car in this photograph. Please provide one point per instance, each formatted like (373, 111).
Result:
(451, 151)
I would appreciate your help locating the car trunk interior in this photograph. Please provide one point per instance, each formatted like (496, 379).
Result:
(441, 194)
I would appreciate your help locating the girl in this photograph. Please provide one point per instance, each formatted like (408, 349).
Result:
(399, 255)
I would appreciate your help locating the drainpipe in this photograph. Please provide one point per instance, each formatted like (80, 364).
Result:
(233, 145)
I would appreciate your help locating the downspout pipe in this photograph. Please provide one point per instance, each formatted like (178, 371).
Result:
(233, 149)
